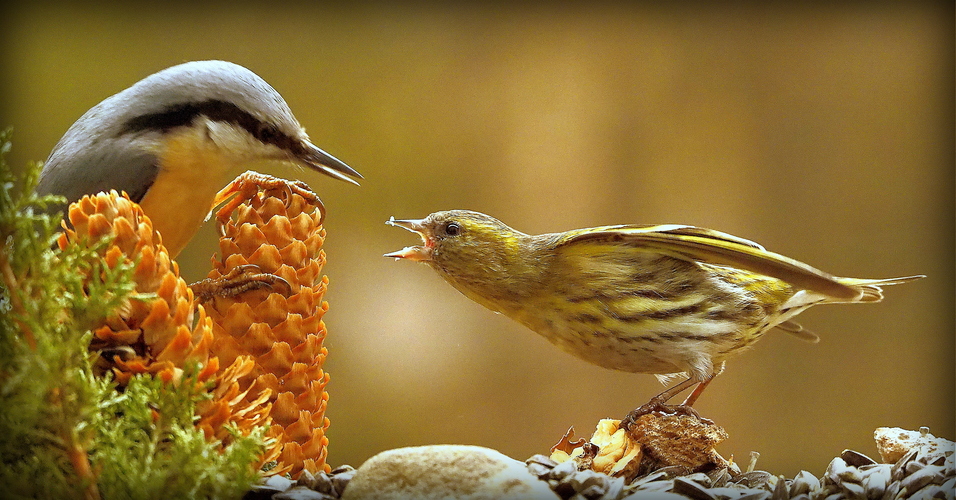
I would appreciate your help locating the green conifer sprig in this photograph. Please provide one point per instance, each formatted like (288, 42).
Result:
(64, 432)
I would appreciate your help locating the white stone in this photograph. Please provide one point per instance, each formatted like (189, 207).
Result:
(443, 472)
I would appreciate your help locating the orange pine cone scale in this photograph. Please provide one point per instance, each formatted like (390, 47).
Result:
(162, 334)
(276, 226)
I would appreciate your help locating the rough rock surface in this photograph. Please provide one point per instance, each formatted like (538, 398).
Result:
(445, 471)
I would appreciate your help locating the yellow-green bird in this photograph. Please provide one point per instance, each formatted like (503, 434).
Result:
(664, 300)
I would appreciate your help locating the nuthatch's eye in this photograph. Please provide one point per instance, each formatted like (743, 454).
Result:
(267, 133)
(452, 229)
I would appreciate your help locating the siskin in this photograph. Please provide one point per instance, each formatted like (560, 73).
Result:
(666, 300)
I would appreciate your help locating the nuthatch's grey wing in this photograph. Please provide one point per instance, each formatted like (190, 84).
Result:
(92, 157)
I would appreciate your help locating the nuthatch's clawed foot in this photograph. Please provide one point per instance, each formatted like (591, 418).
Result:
(240, 280)
(249, 183)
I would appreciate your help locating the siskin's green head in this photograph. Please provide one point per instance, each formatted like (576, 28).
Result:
(479, 255)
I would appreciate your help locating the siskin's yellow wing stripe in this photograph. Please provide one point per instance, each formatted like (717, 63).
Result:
(713, 247)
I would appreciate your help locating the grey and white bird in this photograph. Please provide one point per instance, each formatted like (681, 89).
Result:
(173, 139)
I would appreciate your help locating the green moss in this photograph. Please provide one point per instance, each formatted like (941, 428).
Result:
(65, 433)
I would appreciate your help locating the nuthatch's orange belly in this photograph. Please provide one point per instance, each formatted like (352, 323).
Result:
(192, 169)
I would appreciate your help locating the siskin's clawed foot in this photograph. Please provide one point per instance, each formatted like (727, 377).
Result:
(240, 280)
(656, 405)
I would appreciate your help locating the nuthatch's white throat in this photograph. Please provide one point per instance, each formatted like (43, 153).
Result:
(173, 139)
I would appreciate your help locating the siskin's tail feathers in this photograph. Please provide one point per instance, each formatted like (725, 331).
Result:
(871, 289)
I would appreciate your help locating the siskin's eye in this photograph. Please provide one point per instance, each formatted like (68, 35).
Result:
(452, 229)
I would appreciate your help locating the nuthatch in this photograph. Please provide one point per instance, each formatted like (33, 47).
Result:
(172, 139)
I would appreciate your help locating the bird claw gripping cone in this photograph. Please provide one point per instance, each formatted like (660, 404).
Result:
(276, 226)
(161, 330)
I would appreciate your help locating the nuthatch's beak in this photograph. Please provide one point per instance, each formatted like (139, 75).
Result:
(417, 254)
(317, 159)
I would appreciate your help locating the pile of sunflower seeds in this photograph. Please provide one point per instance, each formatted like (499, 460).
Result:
(852, 475)
(921, 473)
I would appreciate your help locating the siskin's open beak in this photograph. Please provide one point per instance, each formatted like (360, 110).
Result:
(417, 254)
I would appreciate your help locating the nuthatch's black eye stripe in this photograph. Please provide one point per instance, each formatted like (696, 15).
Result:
(183, 115)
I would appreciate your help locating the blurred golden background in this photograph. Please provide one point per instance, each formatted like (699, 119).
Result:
(825, 133)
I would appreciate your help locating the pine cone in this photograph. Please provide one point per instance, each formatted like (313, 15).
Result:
(156, 335)
(276, 226)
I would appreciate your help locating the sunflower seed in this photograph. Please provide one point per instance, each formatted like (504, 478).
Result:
(804, 482)
(664, 495)
(899, 468)
(615, 488)
(856, 458)
(719, 478)
(699, 478)
(661, 485)
(755, 495)
(854, 491)
(691, 489)
(754, 479)
(891, 491)
(876, 479)
(931, 474)
(913, 466)
(930, 491)
(340, 469)
(950, 484)
(781, 491)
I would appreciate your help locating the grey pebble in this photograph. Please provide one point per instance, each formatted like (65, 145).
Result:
(540, 465)
(593, 492)
(279, 483)
(588, 480)
(305, 479)
(323, 484)
(563, 470)
(341, 479)
(301, 493)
